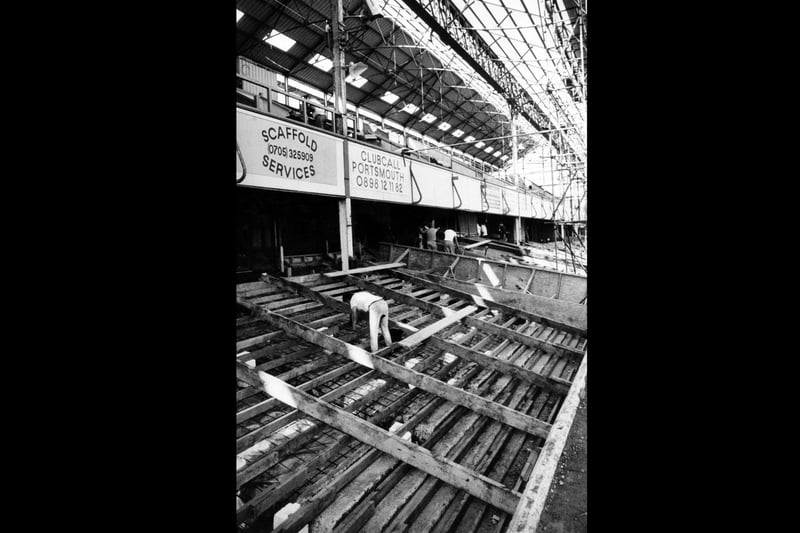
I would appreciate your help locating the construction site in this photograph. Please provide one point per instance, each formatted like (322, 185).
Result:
(411, 268)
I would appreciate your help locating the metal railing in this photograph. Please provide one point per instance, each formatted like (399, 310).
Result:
(296, 105)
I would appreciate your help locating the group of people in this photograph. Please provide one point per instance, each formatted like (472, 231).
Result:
(484, 232)
(427, 238)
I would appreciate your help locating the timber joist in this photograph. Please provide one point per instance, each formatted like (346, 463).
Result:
(438, 431)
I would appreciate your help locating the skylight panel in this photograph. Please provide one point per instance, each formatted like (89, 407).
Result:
(321, 62)
(357, 82)
(429, 118)
(458, 133)
(390, 97)
(480, 144)
(497, 153)
(279, 40)
(239, 15)
(444, 126)
(504, 157)
(468, 138)
(488, 149)
(410, 109)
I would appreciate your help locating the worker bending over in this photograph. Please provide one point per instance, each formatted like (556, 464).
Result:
(365, 302)
(450, 241)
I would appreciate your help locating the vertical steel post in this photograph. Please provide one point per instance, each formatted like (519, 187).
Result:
(340, 126)
(339, 85)
(517, 178)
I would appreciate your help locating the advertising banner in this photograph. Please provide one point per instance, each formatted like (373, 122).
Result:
(378, 175)
(281, 155)
(494, 199)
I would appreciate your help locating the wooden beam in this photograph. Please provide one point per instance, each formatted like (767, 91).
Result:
(554, 384)
(267, 405)
(320, 322)
(452, 266)
(311, 507)
(477, 244)
(326, 300)
(246, 343)
(275, 494)
(278, 451)
(378, 493)
(480, 405)
(395, 295)
(437, 326)
(361, 270)
(477, 300)
(531, 504)
(448, 471)
(530, 281)
(527, 340)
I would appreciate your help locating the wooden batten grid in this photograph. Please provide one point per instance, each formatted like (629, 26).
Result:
(437, 317)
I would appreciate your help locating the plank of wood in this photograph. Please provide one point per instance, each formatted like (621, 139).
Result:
(452, 266)
(477, 300)
(477, 244)
(311, 507)
(558, 286)
(527, 340)
(266, 499)
(480, 405)
(504, 367)
(530, 281)
(531, 504)
(247, 413)
(437, 326)
(324, 299)
(279, 451)
(375, 268)
(448, 471)
(488, 384)
(252, 341)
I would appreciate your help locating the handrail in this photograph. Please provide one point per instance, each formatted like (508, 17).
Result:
(241, 159)
(475, 164)
(413, 182)
(453, 179)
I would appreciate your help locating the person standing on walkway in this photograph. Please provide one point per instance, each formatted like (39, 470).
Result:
(501, 229)
(450, 241)
(430, 236)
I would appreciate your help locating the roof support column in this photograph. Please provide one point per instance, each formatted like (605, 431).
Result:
(340, 127)
(339, 86)
(346, 215)
(519, 181)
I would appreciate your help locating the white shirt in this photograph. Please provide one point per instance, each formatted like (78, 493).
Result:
(449, 234)
(362, 300)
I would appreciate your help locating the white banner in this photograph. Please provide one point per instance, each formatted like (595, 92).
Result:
(281, 155)
(378, 175)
